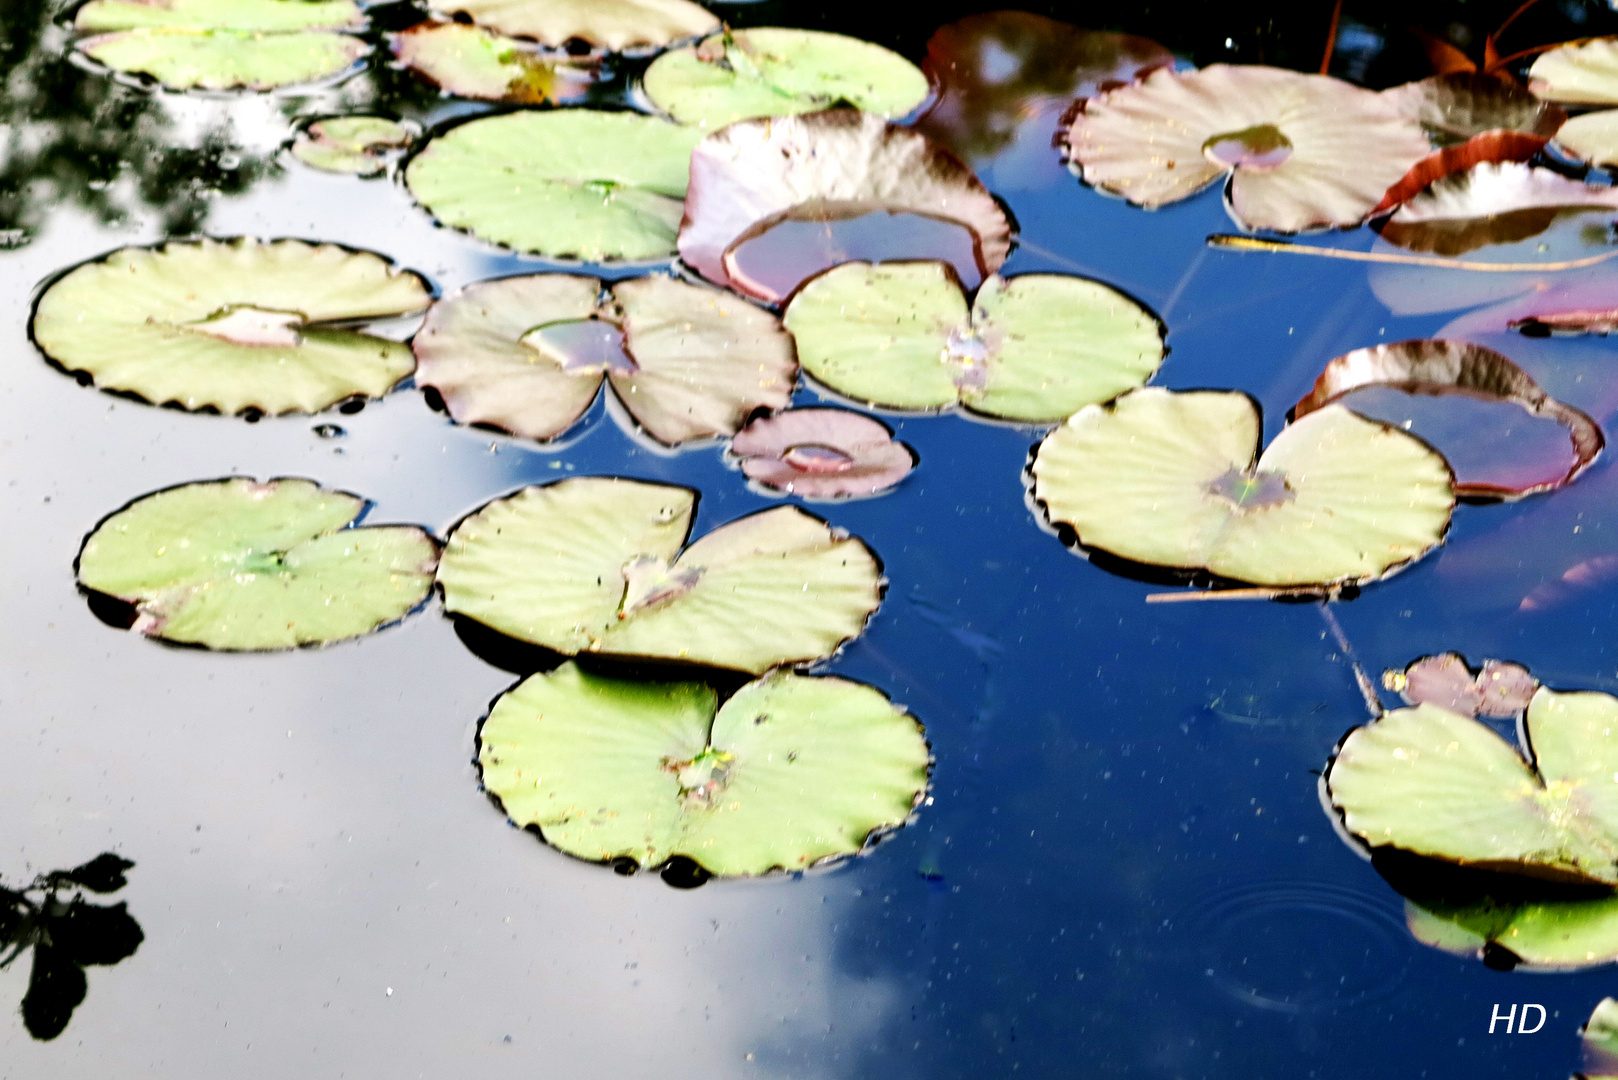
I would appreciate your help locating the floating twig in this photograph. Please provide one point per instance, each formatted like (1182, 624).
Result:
(1250, 243)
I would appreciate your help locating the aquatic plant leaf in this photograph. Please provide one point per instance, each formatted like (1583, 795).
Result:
(1010, 75)
(840, 163)
(1600, 1035)
(1034, 348)
(231, 325)
(594, 564)
(1592, 137)
(56, 986)
(351, 144)
(613, 25)
(1490, 203)
(240, 565)
(1437, 368)
(468, 61)
(1430, 782)
(1169, 479)
(1305, 151)
(1498, 690)
(1491, 146)
(244, 16)
(183, 59)
(1459, 106)
(822, 453)
(103, 874)
(1545, 935)
(567, 183)
(688, 362)
(772, 71)
(1579, 73)
(791, 771)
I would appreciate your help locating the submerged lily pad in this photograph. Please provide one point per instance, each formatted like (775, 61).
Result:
(224, 44)
(822, 454)
(1579, 73)
(1430, 782)
(1535, 935)
(791, 771)
(1498, 689)
(1303, 151)
(1169, 479)
(1437, 368)
(1035, 348)
(595, 564)
(241, 565)
(1490, 203)
(231, 325)
(1600, 1034)
(614, 25)
(528, 354)
(351, 144)
(770, 71)
(469, 61)
(567, 183)
(1461, 105)
(755, 174)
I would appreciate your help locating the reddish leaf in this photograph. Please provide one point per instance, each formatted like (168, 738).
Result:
(1500, 690)
(1491, 146)
(822, 453)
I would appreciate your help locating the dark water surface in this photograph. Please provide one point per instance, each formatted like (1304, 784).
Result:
(1124, 869)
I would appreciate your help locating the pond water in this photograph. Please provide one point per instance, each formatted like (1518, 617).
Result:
(1123, 867)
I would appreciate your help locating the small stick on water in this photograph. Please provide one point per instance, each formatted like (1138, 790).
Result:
(1373, 704)
(1250, 243)
(1224, 594)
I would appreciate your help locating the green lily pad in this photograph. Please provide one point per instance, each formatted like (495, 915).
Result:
(1427, 781)
(224, 44)
(469, 61)
(770, 71)
(1600, 1034)
(1546, 935)
(1036, 348)
(1169, 479)
(790, 772)
(614, 25)
(231, 325)
(351, 144)
(567, 183)
(528, 354)
(239, 565)
(594, 564)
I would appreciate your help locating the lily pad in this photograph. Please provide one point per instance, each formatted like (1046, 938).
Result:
(1592, 137)
(528, 354)
(1579, 73)
(567, 183)
(240, 565)
(468, 61)
(613, 25)
(1432, 367)
(224, 44)
(1462, 105)
(1430, 782)
(1302, 151)
(1169, 479)
(1490, 203)
(770, 71)
(360, 145)
(1008, 76)
(1600, 1034)
(1491, 146)
(1534, 935)
(1499, 690)
(822, 454)
(595, 564)
(1034, 348)
(790, 772)
(231, 325)
(754, 174)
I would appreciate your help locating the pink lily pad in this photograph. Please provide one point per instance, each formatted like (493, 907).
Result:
(1461, 105)
(1490, 203)
(1499, 690)
(822, 454)
(825, 166)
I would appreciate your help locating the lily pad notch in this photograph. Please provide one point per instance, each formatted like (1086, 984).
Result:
(242, 566)
(840, 163)
(1437, 367)
(790, 773)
